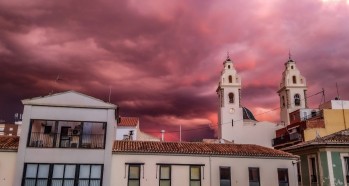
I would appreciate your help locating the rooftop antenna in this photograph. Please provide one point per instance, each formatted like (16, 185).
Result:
(56, 80)
(289, 54)
(162, 135)
(109, 93)
(337, 92)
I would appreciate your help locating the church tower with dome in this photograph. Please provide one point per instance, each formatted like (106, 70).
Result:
(292, 91)
(235, 122)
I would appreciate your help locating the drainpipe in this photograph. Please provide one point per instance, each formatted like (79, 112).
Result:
(210, 170)
(162, 135)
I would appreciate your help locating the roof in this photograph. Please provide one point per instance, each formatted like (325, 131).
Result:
(247, 114)
(198, 148)
(9, 143)
(338, 139)
(128, 121)
(69, 99)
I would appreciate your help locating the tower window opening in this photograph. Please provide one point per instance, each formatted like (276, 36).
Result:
(230, 79)
(292, 67)
(228, 66)
(231, 97)
(232, 122)
(294, 79)
(297, 100)
(283, 101)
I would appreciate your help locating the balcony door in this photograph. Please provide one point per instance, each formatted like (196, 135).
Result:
(65, 137)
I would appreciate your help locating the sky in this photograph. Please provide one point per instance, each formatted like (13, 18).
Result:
(162, 59)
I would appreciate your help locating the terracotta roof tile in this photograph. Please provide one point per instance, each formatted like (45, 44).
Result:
(128, 121)
(9, 142)
(197, 148)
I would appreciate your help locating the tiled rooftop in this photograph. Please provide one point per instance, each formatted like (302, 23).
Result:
(198, 148)
(128, 121)
(9, 142)
(338, 138)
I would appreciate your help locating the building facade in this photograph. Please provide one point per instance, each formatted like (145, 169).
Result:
(324, 161)
(66, 138)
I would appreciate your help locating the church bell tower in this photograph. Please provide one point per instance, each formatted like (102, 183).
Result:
(230, 116)
(292, 91)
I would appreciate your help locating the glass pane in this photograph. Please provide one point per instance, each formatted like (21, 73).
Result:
(224, 173)
(194, 183)
(43, 171)
(195, 173)
(84, 171)
(31, 171)
(96, 171)
(57, 182)
(254, 183)
(283, 175)
(164, 172)
(225, 183)
(95, 182)
(68, 183)
(83, 183)
(165, 183)
(42, 182)
(134, 171)
(58, 171)
(133, 182)
(29, 182)
(254, 174)
(69, 171)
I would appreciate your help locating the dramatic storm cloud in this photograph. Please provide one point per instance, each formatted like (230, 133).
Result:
(162, 59)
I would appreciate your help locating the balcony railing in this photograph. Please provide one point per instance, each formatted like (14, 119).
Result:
(57, 140)
(294, 137)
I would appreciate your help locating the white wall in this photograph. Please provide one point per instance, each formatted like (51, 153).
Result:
(210, 170)
(7, 167)
(121, 131)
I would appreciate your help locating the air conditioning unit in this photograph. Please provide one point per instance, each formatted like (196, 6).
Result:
(76, 132)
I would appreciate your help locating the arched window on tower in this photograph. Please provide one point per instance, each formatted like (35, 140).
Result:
(231, 97)
(297, 100)
(283, 101)
(294, 79)
(230, 79)
(228, 66)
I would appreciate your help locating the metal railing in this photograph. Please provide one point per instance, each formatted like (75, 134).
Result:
(293, 137)
(57, 140)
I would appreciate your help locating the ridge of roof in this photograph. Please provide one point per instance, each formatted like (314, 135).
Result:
(337, 138)
(198, 148)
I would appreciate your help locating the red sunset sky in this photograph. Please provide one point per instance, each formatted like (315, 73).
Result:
(163, 59)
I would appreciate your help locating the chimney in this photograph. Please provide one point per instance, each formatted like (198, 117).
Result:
(162, 135)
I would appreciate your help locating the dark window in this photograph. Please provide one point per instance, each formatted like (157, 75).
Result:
(346, 164)
(47, 129)
(283, 177)
(228, 66)
(297, 100)
(230, 79)
(291, 66)
(165, 175)
(313, 173)
(225, 178)
(134, 172)
(294, 79)
(195, 176)
(231, 97)
(232, 122)
(283, 101)
(253, 173)
(62, 175)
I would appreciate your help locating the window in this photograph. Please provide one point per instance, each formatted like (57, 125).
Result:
(165, 175)
(346, 168)
(225, 178)
(230, 79)
(283, 177)
(134, 172)
(62, 175)
(90, 175)
(291, 66)
(47, 129)
(231, 97)
(36, 174)
(297, 100)
(294, 79)
(312, 169)
(195, 176)
(253, 173)
(232, 122)
(228, 66)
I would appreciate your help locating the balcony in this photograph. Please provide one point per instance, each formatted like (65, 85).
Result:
(289, 138)
(58, 140)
